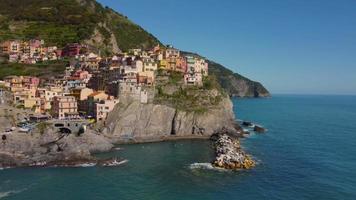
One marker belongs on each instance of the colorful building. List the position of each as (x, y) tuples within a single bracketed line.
[(81, 94), (103, 108), (171, 52), (72, 50), (65, 107)]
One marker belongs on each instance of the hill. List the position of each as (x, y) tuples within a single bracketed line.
[(233, 83), (59, 22), (236, 84)]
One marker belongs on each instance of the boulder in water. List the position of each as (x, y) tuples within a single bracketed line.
[(259, 129), (246, 123)]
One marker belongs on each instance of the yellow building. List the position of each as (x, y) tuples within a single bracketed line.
[(81, 94), (33, 103), (163, 64)]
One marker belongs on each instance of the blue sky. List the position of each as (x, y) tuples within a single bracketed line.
[(291, 46)]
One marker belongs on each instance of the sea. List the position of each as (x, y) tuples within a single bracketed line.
[(309, 152)]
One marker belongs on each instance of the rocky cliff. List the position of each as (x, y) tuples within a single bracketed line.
[(135, 122), (233, 83), (50, 149)]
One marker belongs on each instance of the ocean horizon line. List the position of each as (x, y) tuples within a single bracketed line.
[(309, 94)]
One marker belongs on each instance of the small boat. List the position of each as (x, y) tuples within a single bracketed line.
[(112, 162), (24, 130)]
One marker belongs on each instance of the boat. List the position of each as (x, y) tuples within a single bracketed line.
[(24, 130)]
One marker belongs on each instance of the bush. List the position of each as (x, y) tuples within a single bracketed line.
[(42, 127)]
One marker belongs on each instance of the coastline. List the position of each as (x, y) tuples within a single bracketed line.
[(120, 141), (46, 150)]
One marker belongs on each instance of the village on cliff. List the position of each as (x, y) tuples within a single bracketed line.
[(91, 85)]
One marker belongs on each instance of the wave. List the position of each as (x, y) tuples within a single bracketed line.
[(8, 193), (5, 194), (86, 165), (205, 166), (115, 163), (3, 168), (122, 162)]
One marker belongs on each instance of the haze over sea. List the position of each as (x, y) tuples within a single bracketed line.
[(308, 153)]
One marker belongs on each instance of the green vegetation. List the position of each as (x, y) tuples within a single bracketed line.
[(40, 70), (175, 78), (20, 107), (198, 99), (235, 84), (59, 22), (42, 127)]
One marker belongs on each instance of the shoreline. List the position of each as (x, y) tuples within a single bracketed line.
[(148, 140), (94, 161)]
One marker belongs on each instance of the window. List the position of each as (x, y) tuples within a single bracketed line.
[(59, 125)]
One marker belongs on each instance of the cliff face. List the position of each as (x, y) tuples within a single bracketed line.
[(49, 148), (137, 122)]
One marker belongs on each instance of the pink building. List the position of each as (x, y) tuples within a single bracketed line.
[(30, 81), (181, 64), (81, 75), (103, 109), (36, 43), (72, 50), (65, 107)]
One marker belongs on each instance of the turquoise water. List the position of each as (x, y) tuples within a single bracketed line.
[(308, 153)]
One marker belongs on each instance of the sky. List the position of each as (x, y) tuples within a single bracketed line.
[(290, 46)]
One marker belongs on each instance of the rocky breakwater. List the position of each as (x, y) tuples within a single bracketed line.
[(229, 154), (135, 122)]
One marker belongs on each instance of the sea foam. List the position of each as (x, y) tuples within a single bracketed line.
[(206, 166), (86, 165), (8, 193)]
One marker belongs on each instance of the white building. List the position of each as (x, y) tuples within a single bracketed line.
[(104, 108)]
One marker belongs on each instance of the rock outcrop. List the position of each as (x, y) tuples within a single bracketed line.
[(135, 122), (50, 148), (259, 129)]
